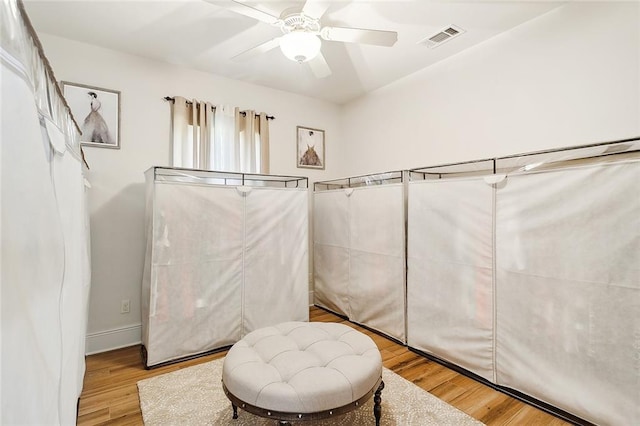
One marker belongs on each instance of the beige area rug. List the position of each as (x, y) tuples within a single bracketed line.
[(194, 396)]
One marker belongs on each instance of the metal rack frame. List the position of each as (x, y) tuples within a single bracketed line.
[(506, 164), (213, 177), (397, 176)]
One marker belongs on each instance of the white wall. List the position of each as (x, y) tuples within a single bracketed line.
[(569, 77), (116, 200)]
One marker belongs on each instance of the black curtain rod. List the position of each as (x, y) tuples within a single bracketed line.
[(243, 113)]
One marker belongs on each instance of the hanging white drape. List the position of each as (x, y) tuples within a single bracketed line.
[(219, 138), (44, 235), (226, 140)]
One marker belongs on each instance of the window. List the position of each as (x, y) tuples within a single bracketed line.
[(220, 138)]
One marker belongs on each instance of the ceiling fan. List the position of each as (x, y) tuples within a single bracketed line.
[(303, 33)]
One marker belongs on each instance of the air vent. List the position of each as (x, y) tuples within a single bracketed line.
[(442, 36)]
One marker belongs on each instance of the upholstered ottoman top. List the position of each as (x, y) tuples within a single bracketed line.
[(302, 367)]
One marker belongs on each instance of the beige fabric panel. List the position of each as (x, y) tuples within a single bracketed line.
[(450, 275), (377, 266), (222, 261), (195, 277), (568, 289), (276, 259), (331, 250), (359, 255)]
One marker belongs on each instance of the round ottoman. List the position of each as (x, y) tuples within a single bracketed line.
[(303, 371)]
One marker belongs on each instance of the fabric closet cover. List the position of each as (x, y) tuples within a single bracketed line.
[(450, 271), (46, 274), (276, 258), (195, 267), (568, 289), (221, 261), (359, 257), (331, 250)]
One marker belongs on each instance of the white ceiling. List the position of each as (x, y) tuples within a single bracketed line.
[(206, 35)]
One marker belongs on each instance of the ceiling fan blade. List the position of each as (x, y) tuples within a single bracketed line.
[(255, 51), (315, 8), (246, 10), (319, 66), (356, 35)]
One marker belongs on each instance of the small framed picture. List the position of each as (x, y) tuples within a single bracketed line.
[(310, 153), (97, 112)]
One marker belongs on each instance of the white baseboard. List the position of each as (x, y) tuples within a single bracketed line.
[(116, 338), (122, 337)]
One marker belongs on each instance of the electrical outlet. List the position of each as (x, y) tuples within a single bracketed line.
[(124, 306)]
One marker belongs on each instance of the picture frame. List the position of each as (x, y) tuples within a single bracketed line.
[(97, 112), (310, 148)]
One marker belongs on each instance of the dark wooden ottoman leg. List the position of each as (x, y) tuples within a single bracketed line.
[(377, 399), (235, 410)]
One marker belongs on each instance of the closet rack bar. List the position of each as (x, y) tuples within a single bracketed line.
[(495, 162), (213, 108), (569, 148), (238, 176), (420, 169), (399, 176), (436, 171)]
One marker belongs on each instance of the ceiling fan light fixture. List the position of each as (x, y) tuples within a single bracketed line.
[(300, 46)]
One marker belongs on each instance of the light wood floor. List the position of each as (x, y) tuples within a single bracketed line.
[(110, 395)]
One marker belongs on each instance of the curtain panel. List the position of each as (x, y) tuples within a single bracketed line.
[(44, 235), (219, 137)]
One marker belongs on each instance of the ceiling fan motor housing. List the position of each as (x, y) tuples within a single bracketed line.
[(300, 22)]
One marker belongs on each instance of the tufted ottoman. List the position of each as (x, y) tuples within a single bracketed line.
[(303, 371)]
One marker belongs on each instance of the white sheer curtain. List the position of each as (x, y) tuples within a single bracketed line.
[(220, 137)]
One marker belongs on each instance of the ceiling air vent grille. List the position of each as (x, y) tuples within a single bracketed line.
[(442, 36)]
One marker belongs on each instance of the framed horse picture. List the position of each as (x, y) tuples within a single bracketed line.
[(310, 144)]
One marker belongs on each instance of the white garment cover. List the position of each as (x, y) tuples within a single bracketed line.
[(331, 250), (220, 262), (359, 255), (70, 194), (32, 265), (195, 288), (568, 289), (45, 272), (450, 271), (276, 258), (558, 316)]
